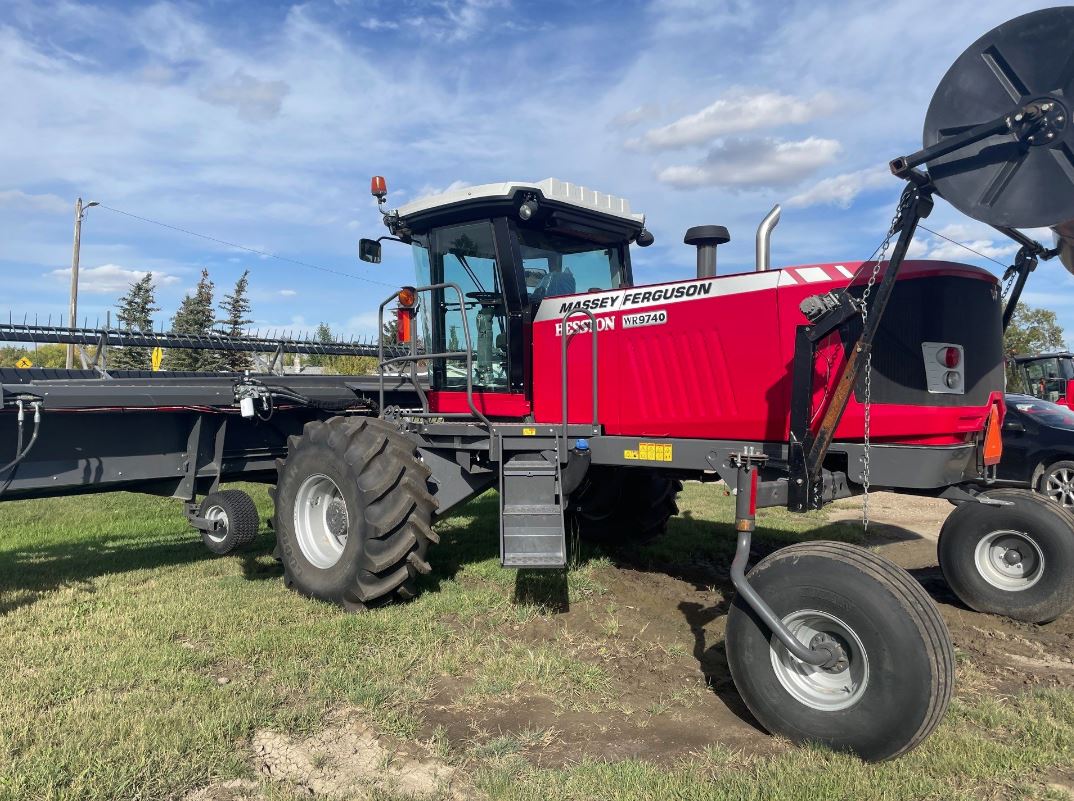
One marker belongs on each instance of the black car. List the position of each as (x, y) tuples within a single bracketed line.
[(1038, 447)]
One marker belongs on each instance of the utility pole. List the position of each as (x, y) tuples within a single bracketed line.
[(80, 212)]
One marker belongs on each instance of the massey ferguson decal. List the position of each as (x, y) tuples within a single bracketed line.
[(634, 298)]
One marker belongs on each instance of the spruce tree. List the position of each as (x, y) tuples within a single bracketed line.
[(236, 309), (195, 316), (135, 314)]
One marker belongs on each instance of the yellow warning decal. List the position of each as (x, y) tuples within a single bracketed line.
[(650, 452), (24, 363), (529, 432)]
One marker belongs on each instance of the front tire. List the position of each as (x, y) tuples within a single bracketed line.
[(353, 513), (1015, 560), (900, 673)]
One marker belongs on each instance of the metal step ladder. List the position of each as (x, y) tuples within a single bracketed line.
[(532, 532)]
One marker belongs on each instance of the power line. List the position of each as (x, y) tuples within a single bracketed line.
[(247, 249), (961, 245)]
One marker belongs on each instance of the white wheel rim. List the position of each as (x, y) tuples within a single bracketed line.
[(1059, 486), (817, 688), (1009, 560), (321, 521), (216, 514)]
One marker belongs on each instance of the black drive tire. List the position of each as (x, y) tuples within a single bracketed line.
[(1058, 493), (1046, 525), (620, 505), (387, 517), (237, 511), (907, 649)]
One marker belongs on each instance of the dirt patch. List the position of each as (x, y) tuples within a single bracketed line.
[(347, 759)]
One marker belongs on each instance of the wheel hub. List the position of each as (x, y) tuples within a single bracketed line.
[(1009, 560), (828, 689), (321, 521), (217, 515)]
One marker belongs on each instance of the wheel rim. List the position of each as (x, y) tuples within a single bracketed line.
[(216, 514), (1009, 560), (1059, 486), (817, 688), (321, 521)]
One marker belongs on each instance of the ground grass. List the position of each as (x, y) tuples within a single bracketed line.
[(133, 665)]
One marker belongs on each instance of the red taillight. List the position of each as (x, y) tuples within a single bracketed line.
[(378, 187), (950, 357)]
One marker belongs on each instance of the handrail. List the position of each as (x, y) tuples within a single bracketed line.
[(414, 357), (565, 338)]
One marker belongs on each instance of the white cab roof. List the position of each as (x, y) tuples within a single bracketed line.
[(550, 188)]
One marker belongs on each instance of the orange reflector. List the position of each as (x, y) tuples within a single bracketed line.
[(408, 296), (404, 319), (993, 440)]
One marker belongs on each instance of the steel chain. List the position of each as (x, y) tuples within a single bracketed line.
[(904, 203)]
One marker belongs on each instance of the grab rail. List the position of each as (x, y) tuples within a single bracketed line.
[(414, 357)]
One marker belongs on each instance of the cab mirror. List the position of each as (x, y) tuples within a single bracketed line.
[(1013, 425), (369, 250)]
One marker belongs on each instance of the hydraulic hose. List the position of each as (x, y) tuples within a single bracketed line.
[(22, 453)]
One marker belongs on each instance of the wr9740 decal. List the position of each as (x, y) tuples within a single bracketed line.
[(658, 317)]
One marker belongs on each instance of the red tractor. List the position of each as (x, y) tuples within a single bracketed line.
[(586, 400)]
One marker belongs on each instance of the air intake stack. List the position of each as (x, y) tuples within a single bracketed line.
[(706, 238)]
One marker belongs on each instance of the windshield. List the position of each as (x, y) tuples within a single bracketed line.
[(556, 265), (1047, 377), (1051, 414)]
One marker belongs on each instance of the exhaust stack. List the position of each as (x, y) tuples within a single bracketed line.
[(706, 238), (764, 238)]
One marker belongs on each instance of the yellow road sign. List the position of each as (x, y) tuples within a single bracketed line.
[(158, 357), (24, 363)]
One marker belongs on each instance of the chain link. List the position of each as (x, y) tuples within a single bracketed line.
[(868, 399)]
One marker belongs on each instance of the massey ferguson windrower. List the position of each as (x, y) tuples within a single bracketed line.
[(586, 400)]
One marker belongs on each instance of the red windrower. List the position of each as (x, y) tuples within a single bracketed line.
[(378, 187)]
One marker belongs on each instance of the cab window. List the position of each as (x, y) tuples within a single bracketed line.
[(555, 265)]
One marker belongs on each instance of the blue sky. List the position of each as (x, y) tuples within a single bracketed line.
[(260, 123)]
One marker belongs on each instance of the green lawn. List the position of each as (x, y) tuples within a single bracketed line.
[(134, 665)]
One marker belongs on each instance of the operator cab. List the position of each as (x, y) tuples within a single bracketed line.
[(505, 247)]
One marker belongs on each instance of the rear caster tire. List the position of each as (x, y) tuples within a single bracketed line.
[(237, 513), (353, 513), (1015, 560), (900, 672), (616, 506)]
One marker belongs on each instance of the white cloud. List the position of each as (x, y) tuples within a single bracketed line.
[(736, 113), (16, 198), (754, 163), (949, 251), (840, 190), (110, 278), (287, 293), (254, 99), (918, 248)]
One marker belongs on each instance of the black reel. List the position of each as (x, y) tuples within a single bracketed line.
[(1008, 99)]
